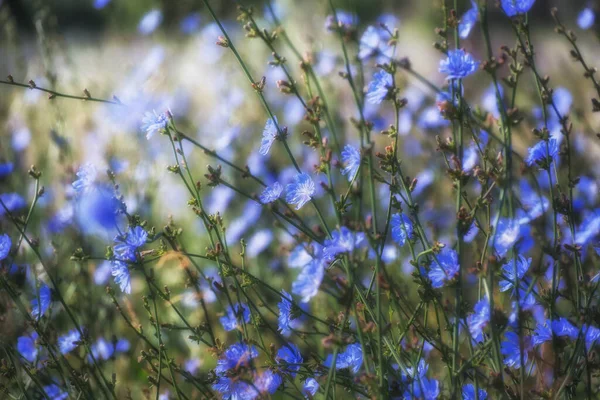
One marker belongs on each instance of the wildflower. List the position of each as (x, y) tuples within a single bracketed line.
[(150, 21), (506, 235), (351, 358), (259, 242), (418, 386), (541, 334), (374, 42), (6, 169), (345, 20), (190, 23), (479, 319), (589, 228), (592, 336), (5, 244), (120, 273), (514, 7), (402, 228), (69, 341), (459, 64), (271, 193), (300, 191), (543, 153), (285, 314), (236, 356), (97, 210), (351, 161), (268, 136), (100, 4), (86, 176), (342, 241), (586, 18), (27, 348), (310, 387), (308, 281), (380, 86), (126, 247), (511, 349), (11, 202), (291, 357), (562, 327), (468, 392), (154, 123), (444, 268), (468, 20), (534, 204), (55, 393), (41, 302), (521, 265), (230, 319)]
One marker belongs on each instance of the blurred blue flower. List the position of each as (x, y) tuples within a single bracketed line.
[(514, 7), (97, 210), (268, 136), (300, 191), (468, 392), (233, 315), (100, 4), (6, 169), (285, 314), (308, 281), (521, 264), (379, 87), (11, 201), (506, 235), (586, 18), (589, 228), (27, 348), (344, 19), (41, 302), (541, 334), (291, 357), (271, 193), (543, 152), (190, 24), (120, 273), (418, 386), (444, 268), (459, 64), (102, 272), (5, 244), (562, 327), (511, 349), (342, 241), (153, 123), (54, 392), (351, 160), (479, 319), (150, 21), (126, 247), (468, 21), (310, 387), (69, 341), (86, 176), (402, 228), (351, 358)]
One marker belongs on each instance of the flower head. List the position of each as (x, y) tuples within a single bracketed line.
[(86, 176), (521, 265), (511, 349), (507, 233), (120, 273), (586, 18), (543, 153), (154, 123), (300, 191), (309, 280), (126, 247), (234, 314), (285, 314), (514, 7), (27, 348), (402, 228), (5, 244), (290, 356), (268, 136), (380, 86), (351, 358), (69, 341), (41, 302), (459, 64), (342, 241), (479, 319), (468, 20), (444, 268), (54, 392), (351, 160), (310, 387), (271, 193), (468, 392)]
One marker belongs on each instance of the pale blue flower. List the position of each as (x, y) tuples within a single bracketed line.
[(351, 160), (268, 136), (271, 193), (300, 191), (380, 86), (459, 64), (514, 7)]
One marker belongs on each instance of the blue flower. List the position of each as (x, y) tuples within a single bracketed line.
[(514, 7), (380, 86), (300, 191), (150, 21), (100, 4), (190, 23), (342, 241), (12, 201), (69, 341), (468, 392), (402, 228), (39, 308), (468, 20), (542, 334), (345, 20), (153, 123), (102, 349), (586, 18), (589, 228), (6, 169), (310, 387), (374, 42), (268, 136), (120, 273), (127, 247), (55, 393), (592, 336), (5, 244), (511, 349), (291, 357), (285, 314), (351, 358), (97, 210), (521, 264), (562, 327), (351, 160), (506, 235), (236, 356), (479, 319), (86, 176), (308, 281), (418, 386), (230, 319), (444, 268), (27, 348), (543, 152), (459, 64), (271, 193)]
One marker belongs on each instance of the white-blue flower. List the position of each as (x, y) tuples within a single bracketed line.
[(379, 87), (300, 191), (268, 136), (351, 160)]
